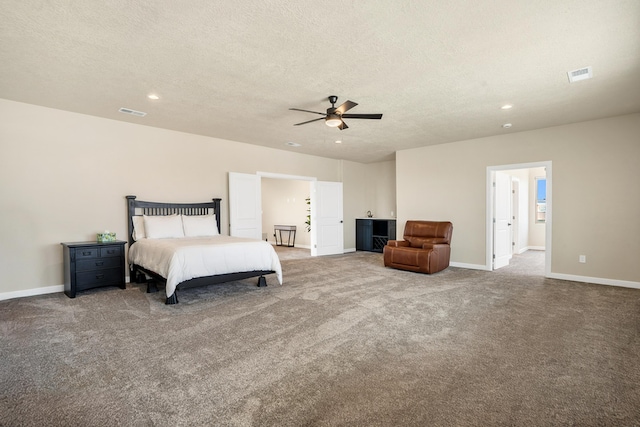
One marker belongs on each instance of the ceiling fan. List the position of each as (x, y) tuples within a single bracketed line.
[(334, 115)]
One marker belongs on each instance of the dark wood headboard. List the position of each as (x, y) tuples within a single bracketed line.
[(138, 207)]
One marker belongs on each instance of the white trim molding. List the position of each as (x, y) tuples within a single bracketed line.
[(38, 291), (595, 280), (469, 266), (31, 292), (284, 176)]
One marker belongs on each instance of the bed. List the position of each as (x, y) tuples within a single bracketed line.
[(180, 245)]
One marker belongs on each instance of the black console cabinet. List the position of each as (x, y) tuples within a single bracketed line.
[(91, 265), (372, 234)]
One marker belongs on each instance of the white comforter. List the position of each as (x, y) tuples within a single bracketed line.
[(186, 258)]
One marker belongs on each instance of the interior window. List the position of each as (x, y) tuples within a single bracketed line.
[(541, 199)]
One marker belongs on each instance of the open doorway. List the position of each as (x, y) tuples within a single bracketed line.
[(285, 202), (519, 218), (327, 225)]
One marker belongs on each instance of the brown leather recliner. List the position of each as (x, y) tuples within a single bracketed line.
[(425, 248)]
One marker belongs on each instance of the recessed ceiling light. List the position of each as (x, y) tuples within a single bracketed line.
[(292, 144), (338, 142), (153, 96), (507, 107), (506, 125)]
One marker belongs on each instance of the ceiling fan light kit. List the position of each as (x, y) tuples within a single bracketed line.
[(334, 115), (333, 120)]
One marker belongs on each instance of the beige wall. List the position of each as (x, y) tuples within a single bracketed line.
[(370, 187), (374, 189), (65, 177), (383, 178), (596, 196)]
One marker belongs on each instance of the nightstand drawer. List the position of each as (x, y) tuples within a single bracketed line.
[(87, 253), (111, 251), (93, 279), (97, 263)]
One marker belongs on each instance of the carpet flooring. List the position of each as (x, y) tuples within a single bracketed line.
[(343, 342)]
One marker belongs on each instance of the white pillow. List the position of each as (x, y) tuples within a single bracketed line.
[(163, 226), (199, 225), (138, 228)]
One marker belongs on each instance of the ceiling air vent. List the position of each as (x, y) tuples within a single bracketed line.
[(132, 112), (581, 74)]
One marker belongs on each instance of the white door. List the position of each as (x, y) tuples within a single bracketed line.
[(245, 205), (515, 216), (327, 234), (502, 224)]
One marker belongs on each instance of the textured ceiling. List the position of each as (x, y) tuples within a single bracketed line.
[(438, 71)]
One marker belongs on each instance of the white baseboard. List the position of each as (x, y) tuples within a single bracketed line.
[(348, 250), (595, 280), (583, 279), (31, 292), (530, 248), (37, 291), (469, 266)]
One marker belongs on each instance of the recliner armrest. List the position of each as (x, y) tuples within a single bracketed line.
[(398, 243), (434, 246)]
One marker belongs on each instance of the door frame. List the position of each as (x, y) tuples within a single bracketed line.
[(490, 211), (312, 237), (285, 176)]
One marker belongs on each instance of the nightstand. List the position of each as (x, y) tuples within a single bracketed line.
[(90, 265)]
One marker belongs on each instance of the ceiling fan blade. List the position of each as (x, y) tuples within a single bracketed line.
[(362, 116), (346, 106), (343, 126), (309, 121), (307, 111)]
